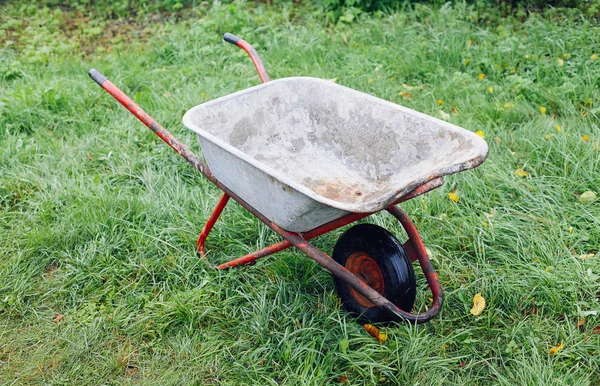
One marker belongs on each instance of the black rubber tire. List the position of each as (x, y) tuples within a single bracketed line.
[(394, 265)]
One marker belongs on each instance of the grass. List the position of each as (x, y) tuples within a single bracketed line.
[(98, 219)]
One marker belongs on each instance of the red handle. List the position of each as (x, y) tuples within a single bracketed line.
[(244, 45), (147, 120)]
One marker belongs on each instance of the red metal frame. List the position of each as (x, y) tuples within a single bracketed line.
[(414, 245), (321, 230), (210, 223)]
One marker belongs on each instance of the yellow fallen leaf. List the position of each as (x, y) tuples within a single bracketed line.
[(405, 94), (407, 86), (481, 76), (508, 105), (543, 109), (480, 133), (444, 115), (466, 61), (594, 57), (554, 350), (558, 128), (560, 62), (548, 136), (453, 196), (521, 173), (490, 89), (375, 333), (334, 80), (440, 102), (58, 318), (478, 304), (585, 138), (587, 255)]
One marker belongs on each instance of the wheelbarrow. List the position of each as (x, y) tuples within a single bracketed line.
[(307, 156)]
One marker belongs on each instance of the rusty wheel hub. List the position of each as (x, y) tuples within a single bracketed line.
[(365, 267)]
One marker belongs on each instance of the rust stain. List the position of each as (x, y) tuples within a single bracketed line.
[(336, 189)]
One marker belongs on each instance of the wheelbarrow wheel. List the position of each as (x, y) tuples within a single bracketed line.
[(377, 257)]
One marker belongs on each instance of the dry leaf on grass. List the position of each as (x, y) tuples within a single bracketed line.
[(533, 307), (478, 304), (521, 173), (375, 333), (554, 350), (131, 369), (453, 196), (587, 255), (58, 318)]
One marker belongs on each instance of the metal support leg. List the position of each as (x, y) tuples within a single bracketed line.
[(209, 225)]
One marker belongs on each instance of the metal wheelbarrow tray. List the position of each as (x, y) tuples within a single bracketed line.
[(305, 151), (307, 156)]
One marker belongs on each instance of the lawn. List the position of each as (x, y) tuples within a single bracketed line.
[(99, 279)]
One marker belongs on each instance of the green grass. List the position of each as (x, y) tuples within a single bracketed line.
[(98, 218)]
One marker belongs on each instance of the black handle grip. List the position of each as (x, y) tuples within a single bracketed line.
[(97, 76), (231, 38)]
